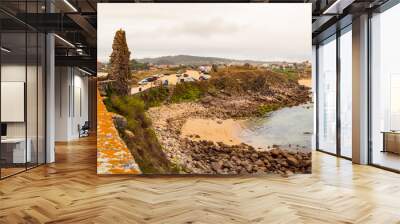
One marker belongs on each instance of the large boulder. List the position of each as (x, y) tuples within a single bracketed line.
[(207, 99), (129, 134), (291, 160), (120, 121)]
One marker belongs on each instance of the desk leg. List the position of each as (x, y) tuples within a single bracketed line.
[(384, 142)]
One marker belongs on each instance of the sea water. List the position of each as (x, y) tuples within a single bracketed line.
[(290, 128)]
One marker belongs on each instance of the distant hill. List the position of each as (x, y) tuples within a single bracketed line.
[(194, 60)]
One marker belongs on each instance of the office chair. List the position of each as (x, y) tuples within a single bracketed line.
[(84, 130)]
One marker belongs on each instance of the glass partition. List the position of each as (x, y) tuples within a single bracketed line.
[(13, 94), (327, 95), (22, 67)]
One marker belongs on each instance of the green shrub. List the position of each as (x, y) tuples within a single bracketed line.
[(267, 108), (189, 91), (291, 74), (143, 144), (154, 96)]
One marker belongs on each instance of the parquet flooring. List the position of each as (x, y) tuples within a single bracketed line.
[(69, 191)]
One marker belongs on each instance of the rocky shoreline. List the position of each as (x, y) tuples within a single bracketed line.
[(218, 158), (225, 105), (197, 156)]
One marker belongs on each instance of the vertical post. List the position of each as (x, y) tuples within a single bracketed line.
[(26, 88), (338, 75), (0, 94), (360, 89), (316, 97), (50, 92), (369, 89), (50, 98)]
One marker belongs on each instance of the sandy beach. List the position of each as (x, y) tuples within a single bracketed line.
[(225, 131), (305, 82)]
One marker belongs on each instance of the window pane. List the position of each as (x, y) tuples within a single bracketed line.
[(327, 96), (386, 89), (346, 93)]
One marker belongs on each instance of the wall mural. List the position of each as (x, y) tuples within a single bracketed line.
[(204, 89)]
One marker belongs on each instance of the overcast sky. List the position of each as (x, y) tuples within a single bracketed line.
[(267, 32)]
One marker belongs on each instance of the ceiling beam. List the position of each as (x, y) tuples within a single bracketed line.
[(76, 61), (85, 25), (338, 6)]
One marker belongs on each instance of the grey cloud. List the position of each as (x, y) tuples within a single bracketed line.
[(242, 31), (207, 28)]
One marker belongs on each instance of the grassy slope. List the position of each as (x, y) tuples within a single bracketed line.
[(143, 141)]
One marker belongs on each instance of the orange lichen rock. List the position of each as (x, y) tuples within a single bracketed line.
[(113, 156)]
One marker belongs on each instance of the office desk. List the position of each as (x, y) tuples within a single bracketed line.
[(17, 150), (391, 141)]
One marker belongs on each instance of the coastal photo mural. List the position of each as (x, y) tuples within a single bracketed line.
[(204, 89)]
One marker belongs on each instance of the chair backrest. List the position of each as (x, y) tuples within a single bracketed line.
[(86, 125)]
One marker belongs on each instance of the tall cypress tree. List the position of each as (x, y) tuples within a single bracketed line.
[(120, 70)]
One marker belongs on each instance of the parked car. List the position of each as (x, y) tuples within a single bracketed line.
[(188, 79), (143, 81), (204, 77), (152, 78), (165, 83)]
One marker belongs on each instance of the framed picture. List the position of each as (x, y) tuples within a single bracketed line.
[(204, 89)]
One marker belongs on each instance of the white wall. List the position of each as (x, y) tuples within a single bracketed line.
[(80, 110), (71, 94), (33, 126), (61, 115), (12, 73)]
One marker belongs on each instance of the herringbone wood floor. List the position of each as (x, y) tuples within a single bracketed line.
[(69, 191)]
